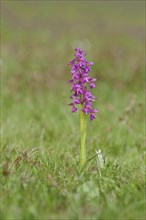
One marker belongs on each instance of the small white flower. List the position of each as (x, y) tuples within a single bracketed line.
[(100, 160)]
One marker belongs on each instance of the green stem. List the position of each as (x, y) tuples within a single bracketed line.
[(82, 139)]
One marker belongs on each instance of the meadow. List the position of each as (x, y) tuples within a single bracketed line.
[(40, 175)]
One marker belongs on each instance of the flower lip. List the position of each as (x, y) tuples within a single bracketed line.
[(85, 110), (92, 85), (92, 117), (74, 109)]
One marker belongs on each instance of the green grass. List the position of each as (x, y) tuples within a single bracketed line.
[(40, 176)]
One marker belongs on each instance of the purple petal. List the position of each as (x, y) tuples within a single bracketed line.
[(76, 101), (74, 109), (94, 110), (92, 117), (85, 110), (71, 62), (92, 85)]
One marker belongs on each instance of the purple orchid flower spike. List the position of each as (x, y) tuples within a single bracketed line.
[(79, 83)]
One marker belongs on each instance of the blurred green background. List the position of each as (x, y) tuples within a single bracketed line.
[(37, 42)]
